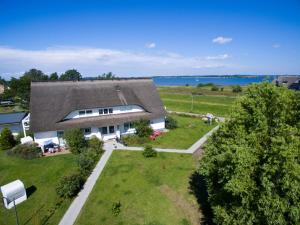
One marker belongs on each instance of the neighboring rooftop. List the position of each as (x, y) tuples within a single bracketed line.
[(291, 82), (11, 118), (51, 102)]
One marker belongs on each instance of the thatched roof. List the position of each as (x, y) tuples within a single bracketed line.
[(51, 102)]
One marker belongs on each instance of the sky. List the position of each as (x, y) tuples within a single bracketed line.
[(149, 38)]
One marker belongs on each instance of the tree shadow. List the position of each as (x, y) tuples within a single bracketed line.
[(30, 190), (198, 188)]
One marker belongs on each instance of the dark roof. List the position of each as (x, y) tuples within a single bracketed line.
[(11, 118), (51, 102), (292, 82)]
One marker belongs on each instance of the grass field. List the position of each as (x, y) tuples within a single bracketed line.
[(189, 130), (40, 177), (150, 190), (198, 100)]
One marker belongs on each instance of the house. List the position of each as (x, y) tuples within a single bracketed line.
[(13, 121), (104, 108), (291, 82)]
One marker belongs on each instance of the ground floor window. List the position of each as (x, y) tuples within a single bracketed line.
[(111, 129), (60, 134), (128, 126), (103, 130)]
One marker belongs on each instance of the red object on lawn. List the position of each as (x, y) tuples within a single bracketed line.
[(155, 135)]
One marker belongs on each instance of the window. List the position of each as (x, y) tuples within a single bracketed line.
[(89, 111), (100, 111), (111, 129), (105, 111), (110, 110), (104, 130), (82, 112), (60, 134), (126, 127), (87, 130)]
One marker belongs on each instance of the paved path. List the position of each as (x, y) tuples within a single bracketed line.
[(221, 119), (74, 209), (77, 204), (190, 150)]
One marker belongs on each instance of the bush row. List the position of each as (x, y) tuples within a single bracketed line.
[(87, 157)]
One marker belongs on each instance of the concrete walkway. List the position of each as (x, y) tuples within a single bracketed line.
[(190, 150), (74, 209), (221, 119)]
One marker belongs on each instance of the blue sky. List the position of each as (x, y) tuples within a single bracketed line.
[(144, 38)]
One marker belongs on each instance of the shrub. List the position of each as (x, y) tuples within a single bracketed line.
[(222, 89), (149, 152), (75, 140), (237, 88), (116, 208), (142, 128), (25, 151), (95, 144), (132, 140), (171, 123), (214, 88), (86, 162), (70, 185), (7, 140)]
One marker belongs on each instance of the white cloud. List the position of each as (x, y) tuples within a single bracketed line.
[(217, 57), (276, 45), (150, 45), (93, 61), (222, 40)]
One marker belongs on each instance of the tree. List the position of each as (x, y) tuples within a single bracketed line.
[(71, 75), (53, 76), (7, 140), (142, 128), (171, 123), (149, 152), (107, 76), (75, 140), (237, 88), (21, 87), (251, 164)]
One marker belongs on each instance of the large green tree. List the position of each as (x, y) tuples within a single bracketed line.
[(21, 87), (71, 75), (75, 140), (252, 163)]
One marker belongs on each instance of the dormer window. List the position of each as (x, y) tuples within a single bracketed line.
[(82, 113), (89, 111), (105, 111), (87, 131), (110, 110), (100, 111)]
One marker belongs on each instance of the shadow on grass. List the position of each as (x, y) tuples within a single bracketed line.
[(198, 188), (30, 190)]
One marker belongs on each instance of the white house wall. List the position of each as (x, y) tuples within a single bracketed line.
[(116, 110), (158, 124), (41, 137)]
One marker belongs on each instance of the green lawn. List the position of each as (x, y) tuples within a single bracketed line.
[(40, 176), (204, 101), (189, 130), (150, 190)]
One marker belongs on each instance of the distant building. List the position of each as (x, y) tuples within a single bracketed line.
[(291, 82), (13, 121)]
